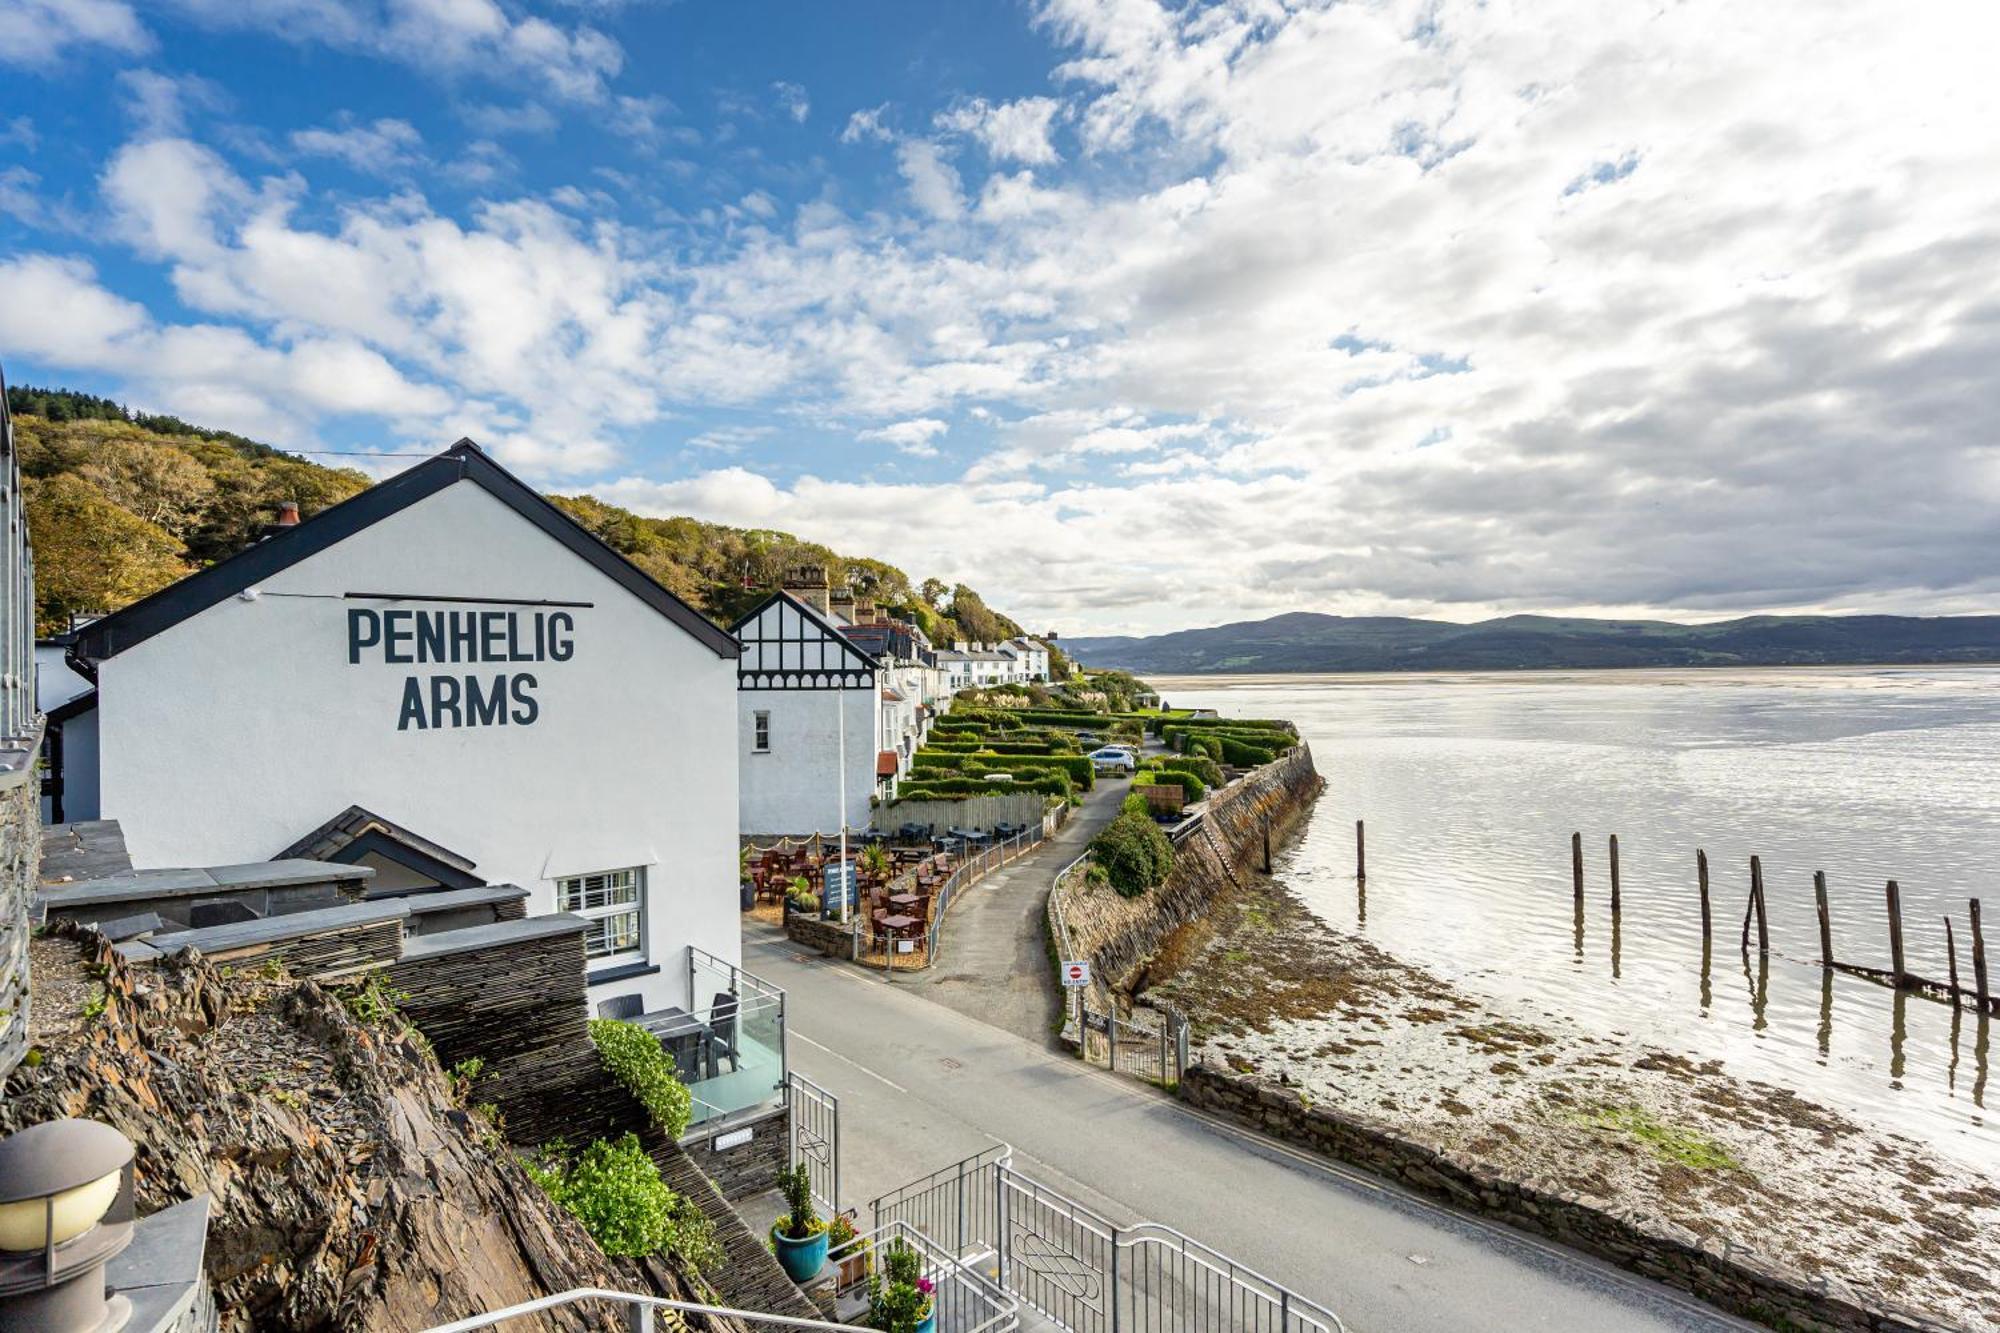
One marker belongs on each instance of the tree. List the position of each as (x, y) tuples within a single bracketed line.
[(158, 483), (92, 554)]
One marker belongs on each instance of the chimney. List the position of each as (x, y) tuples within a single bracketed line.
[(809, 584), (288, 514), (842, 603), (864, 609)]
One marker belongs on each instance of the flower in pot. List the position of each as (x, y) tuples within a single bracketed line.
[(799, 1237), (900, 1298), (875, 860), (848, 1248)]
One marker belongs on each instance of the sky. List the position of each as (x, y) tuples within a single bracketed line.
[(1134, 316)]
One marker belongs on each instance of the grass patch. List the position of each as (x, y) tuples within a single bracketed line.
[(1687, 1147)]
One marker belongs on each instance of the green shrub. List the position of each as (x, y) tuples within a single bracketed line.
[(1134, 804), (1201, 766), (614, 1189), (801, 1221), (635, 1058), (1240, 754), (1208, 747), (896, 1304), (1133, 852), (1192, 787)]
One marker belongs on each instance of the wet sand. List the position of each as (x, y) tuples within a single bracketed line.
[(1275, 993)]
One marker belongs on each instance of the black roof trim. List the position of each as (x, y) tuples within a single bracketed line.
[(464, 461), (810, 612), (73, 707)]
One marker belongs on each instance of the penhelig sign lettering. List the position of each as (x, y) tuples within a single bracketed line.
[(484, 638)]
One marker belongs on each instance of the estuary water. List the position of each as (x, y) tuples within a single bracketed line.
[(1471, 785)]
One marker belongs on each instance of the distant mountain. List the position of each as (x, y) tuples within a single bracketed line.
[(1305, 641)]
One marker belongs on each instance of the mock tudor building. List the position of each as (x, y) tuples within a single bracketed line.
[(448, 680), (807, 700)]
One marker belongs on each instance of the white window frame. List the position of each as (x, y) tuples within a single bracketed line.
[(760, 731), (574, 894)]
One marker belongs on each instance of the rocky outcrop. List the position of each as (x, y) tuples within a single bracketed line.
[(348, 1189)]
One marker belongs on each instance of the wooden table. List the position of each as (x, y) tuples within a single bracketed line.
[(906, 901), (898, 924)]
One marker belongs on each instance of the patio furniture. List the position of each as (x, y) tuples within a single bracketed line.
[(905, 902), (684, 1037), (720, 1037), (623, 1007), (898, 926)]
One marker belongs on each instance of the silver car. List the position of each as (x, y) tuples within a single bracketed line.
[(1114, 759)]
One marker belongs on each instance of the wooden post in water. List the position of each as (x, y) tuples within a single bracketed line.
[(1267, 846), (1896, 933), (1614, 874), (1360, 850), (1951, 957), (1576, 865), (1826, 919), (1701, 873), (1978, 960), (1757, 887)]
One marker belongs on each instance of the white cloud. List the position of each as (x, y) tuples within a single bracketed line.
[(36, 33), (494, 119), (1011, 131), (916, 437), (792, 100), (464, 36), (160, 104), (382, 148), (934, 185), (866, 124)]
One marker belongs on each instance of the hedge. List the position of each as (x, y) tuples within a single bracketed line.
[(1134, 853), (953, 787), (1201, 766), (1081, 772), (1191, 786), (636, 1059)]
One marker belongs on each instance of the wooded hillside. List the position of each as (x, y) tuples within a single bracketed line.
[(122, 504)]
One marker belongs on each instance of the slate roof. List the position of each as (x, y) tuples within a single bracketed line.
[(360, 825)]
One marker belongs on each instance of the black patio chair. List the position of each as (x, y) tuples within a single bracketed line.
[(722, 1031), (625, 1007)]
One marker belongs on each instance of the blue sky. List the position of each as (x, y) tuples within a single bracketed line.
[(1133, 315)]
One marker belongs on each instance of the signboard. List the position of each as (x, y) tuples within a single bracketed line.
[(1076, 972), (839, 888)]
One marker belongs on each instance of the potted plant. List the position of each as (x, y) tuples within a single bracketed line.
[(746, 879), (849, 1249), (875, 860), (900, 1298), (799, 1237)]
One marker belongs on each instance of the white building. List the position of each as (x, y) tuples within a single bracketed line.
[(806, 697), (443, 676), (1033, 657)]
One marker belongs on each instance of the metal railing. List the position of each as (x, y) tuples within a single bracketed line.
[(972, 867), (638, 1311), (1085, 1273), (813, 1127)]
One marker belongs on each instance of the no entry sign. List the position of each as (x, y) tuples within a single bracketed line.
[(1076, 972)]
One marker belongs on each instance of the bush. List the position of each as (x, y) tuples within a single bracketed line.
[(1192, 788), (1134, 804), (635, 1058), (1133, 852), (614, 1189), (1201, 766)]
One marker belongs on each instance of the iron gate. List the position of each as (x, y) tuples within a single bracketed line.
[(815, 1136)]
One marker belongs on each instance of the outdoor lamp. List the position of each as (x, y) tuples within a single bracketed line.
[(65, 1209)]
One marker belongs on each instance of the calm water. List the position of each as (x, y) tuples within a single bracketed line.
[(1472, 784)]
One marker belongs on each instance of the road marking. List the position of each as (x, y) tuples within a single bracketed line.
[(844, 1060)]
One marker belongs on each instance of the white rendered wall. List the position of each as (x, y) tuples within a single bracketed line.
[(80, 784), (228, 736), (796, 787)]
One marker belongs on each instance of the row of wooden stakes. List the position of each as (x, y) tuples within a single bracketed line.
[(1896, 975)]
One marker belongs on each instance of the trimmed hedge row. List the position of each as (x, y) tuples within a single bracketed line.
[(1077, 766), (1192, 787), (950, 788)]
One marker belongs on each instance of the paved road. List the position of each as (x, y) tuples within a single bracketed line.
[(993, 961), (922, 1085)]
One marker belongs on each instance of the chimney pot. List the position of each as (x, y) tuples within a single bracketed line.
[(288, 514)]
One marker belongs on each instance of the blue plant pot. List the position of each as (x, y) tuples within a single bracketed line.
[(928, 1324), (801, 1259)]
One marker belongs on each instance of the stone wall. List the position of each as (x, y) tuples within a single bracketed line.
[(748, 1168), (831, 938), (20, 856), (1729, 1277), (1119, 935)]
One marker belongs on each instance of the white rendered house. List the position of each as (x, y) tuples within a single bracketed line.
[(443, 677), (808, 717)]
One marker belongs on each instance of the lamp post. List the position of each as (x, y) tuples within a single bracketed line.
[(840, 703), (65, 1210)]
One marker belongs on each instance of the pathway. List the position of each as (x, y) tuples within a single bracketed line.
[(993, 956)]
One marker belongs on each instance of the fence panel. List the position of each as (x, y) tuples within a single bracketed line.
[(1056, 1256)]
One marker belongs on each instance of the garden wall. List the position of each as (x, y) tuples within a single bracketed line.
[(980, 812), (20, 857), (1727, 1276)]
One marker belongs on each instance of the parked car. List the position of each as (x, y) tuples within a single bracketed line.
[(1114, 759), (998, 777)]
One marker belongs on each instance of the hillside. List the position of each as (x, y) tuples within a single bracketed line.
[(121, 504), (1304, 641)]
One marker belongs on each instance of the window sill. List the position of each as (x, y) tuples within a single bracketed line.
[(621, 972)]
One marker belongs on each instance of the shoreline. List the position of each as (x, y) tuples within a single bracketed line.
[(1602, 675), (1316, 1025)]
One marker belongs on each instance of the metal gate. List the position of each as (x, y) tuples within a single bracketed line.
[(815, 1136), (1071, 1264), (1157, 1054)]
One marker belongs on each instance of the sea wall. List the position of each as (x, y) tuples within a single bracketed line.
[(1238, 822), (1728, 1275)]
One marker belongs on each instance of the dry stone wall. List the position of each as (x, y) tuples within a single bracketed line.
[(20, 855)]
